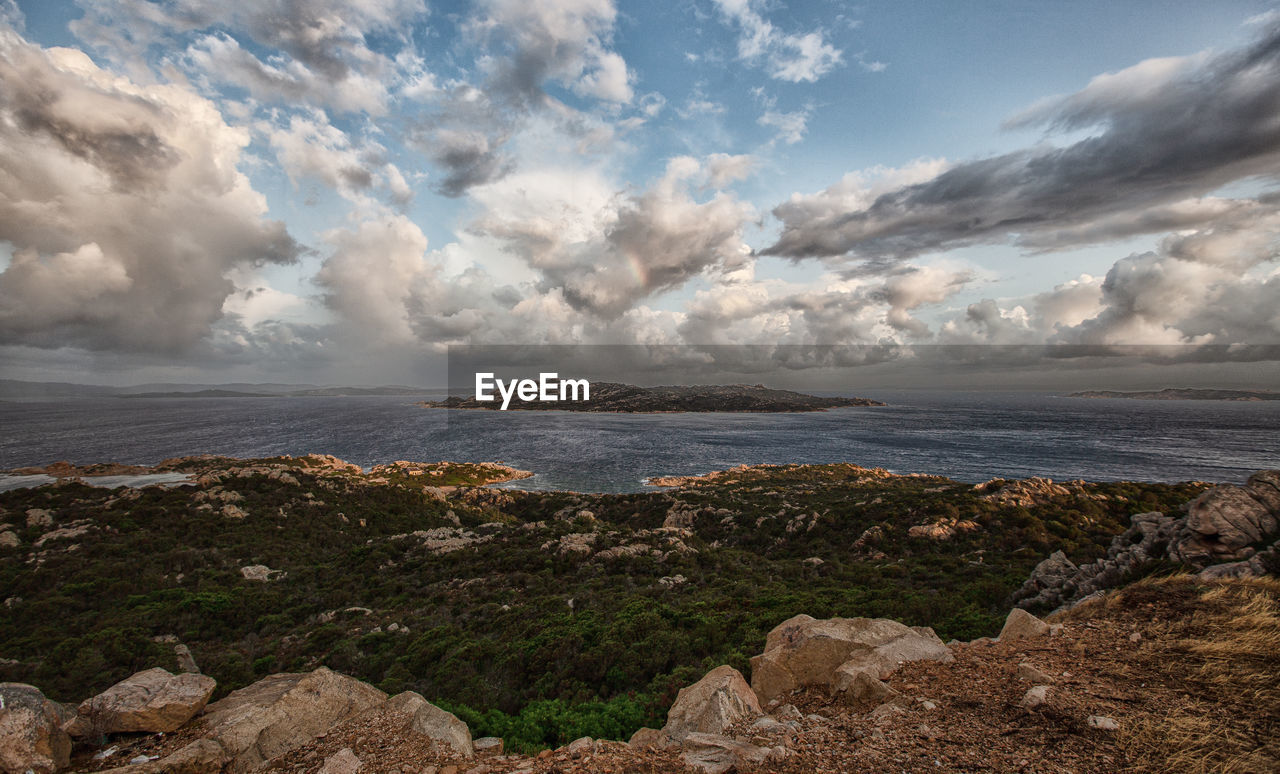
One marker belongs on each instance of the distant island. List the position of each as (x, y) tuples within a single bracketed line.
[(611, 397), (1181, 394)]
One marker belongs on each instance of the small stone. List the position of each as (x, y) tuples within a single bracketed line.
[(1035, 697), (787, 712), (1030, 674), (1135, 637), (1103, 723), (881, 715), (342, 762)]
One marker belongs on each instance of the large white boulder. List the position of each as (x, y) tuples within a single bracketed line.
[(152, 701), (720, 699), (804, 651), (282, 712)]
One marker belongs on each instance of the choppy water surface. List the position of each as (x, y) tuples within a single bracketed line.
[(967, 436)]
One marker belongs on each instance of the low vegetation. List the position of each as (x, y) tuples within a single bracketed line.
[(536, 616)]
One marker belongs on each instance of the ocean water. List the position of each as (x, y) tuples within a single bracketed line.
[(966, 436)]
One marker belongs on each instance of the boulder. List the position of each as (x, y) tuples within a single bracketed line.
[(152, 701), (261, 573), (432, 722), (716, 754), (648, 738), (488, 745), (1022, 625), (717, 701), (282, 712), (1224, 521), (186, 662), (804, 651), (342, 762), (1265, 488), (203, 756), (31, 735), (883, 660), (1052, 571), (859, 685)]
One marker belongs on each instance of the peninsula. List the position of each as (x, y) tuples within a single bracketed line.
[(1181, 394)]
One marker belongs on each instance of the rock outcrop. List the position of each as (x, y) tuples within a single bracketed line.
[(1217, 536), (31, 735), (281, 712), (804, 651), (432, 722), (1223, 523), (712, 705), (152, 701)]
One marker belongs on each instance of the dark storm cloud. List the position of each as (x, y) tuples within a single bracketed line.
[(1168, 131)]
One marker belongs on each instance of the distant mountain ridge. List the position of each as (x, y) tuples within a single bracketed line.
[(15, 388), (1183, 393)]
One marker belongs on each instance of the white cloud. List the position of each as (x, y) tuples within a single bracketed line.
[(123, 204), (799, 57), (790, 127), (311, 147)]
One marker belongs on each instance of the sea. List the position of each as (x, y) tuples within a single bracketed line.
[(967, 436)]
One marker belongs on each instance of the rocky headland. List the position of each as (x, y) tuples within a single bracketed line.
[(611, 397)]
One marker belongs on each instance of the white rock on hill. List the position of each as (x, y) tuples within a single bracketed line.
[(804, 651), (153, 701), (282, 712), (720, 699)]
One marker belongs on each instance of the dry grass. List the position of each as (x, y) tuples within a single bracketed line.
[(1217, 646)]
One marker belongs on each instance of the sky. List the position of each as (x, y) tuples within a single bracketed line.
[(338, 192)]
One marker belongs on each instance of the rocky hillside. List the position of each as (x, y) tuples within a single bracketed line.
[(1226, 532), (537, 617), (1177, 675), (630, 399)]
